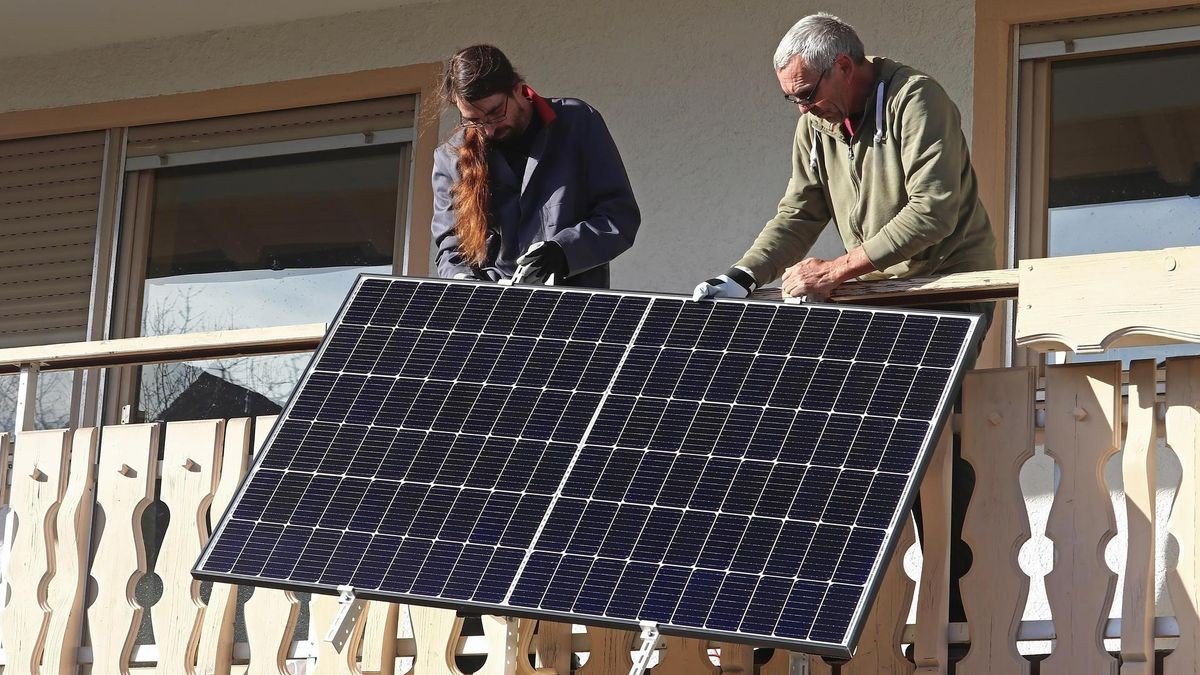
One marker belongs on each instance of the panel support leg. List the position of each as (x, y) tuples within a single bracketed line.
[(650, 637), (348, 615)]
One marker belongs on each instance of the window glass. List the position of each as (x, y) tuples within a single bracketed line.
[(252, 243)]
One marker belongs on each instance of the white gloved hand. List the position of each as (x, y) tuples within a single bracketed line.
[(736, 283), (463, 276)]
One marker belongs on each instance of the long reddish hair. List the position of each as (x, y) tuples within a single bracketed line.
[(471, 74)]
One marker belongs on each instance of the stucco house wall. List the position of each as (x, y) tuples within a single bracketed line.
[(687, 88)]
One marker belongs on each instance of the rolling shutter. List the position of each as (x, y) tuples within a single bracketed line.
[(49, 195)]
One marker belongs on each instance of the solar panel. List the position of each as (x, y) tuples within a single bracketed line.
[(735, 469)]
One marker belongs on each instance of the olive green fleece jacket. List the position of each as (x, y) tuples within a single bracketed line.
[(908, 196)]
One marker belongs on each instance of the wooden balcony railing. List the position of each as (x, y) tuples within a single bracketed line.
[(77, 548)]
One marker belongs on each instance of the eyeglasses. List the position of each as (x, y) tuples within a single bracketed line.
[(810, 98), (494, 116)]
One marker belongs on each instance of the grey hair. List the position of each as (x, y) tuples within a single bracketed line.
[(818, 39)]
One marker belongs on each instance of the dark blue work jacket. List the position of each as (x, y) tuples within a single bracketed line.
[(574, 191)]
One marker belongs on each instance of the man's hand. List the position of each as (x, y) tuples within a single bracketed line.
[(543, 259), (815, 277), (736, 283)]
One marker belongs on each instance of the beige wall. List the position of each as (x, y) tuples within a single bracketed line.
[(686, 87)]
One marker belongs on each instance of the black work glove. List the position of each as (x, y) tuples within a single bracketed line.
[(543, 259)]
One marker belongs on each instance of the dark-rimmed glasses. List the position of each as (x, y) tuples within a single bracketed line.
[(808, 99), (494, 116)]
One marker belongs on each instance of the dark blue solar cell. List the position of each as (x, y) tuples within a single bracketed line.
[(639, 361), (658, 322), (747, 487), (625, 320), (279, 504), (551, 469), (681, 481), (796, 619), (611, 420), (651, 477), (868, 446), (845, 502), (516, 412), (716, 332), (566, 584), (535, 578), (501, 570), (524, 522), (405, 566), (292, 543), (601, 367), (767, 601), (689, 538), (360, 309), (364, 408), (730, 605), (790, 549), (566, 315), (482, 416), (722, 541), (664, 593), (398, 457), (770, 435), (728, 379), (315, 500), (913, 340), (479, 309), (847, 335), (947, 342), (802, 439), (630, 593), (714, 483), (779, 491), (737, 432), (338, 348), (578, 414), (429, 458), (834, 618), (311, 448), (373, 506), (282, 447), (453, 357), (316, 556), (706, 428), (836, 438), (815, 488), (686, 330), (672, 429), (652, 545), (393, 304), (366, 352), (748, 337), (546, 413), (436, 571), (404, 507), (617, 474), (314, 393), (494, 454), (824, 552), (510, 364), (223, 555), (904, 446), (793, 383), (814, 335), (543, 360), (457, 406), (826, 385), (595, 319), (345, 443), (642, 422), (494, 518), (395, 353), (469, 569), (754, 548), (784, 329), (598, 588), (571, 365), (666, 372), (432, 514), (398, 403), (693, 383), (892, 391), (341, 396), (537, 310), (346, 558), (507, 310), (343, 504), (927, 390), (450, 307), (760, 380), (421, 305), (458, 462), (560, 526), (880, 503), (586, 472), (880, 337), (623, 534), (859, 556), (697, 598)]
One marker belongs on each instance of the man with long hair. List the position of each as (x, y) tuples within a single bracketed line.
[(527, 188)]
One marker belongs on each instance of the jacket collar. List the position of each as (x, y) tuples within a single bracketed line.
[(886, 69), (540, 105)]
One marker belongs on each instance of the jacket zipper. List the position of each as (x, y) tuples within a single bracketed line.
[(854, 180)]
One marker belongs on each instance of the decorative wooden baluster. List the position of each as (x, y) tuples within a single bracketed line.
[(525, 632), (1183, 581), (997, 439), (1083, 430), (322, 610), (736, 659), (436, 633), (68, 587), (189, 481), (125, 480), (879, 645), (685, 656), (379, 638), (780, 663), (503, 653), (554, 646), (215, 655), (608, 651), (271, 614), (933, 598), (39, 478), (1140, 476)]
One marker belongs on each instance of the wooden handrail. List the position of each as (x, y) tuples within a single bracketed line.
[(931, 290), (161, 348)]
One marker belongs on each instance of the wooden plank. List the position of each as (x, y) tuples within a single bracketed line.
[(947, 288), (379, 638), (189, 347), (554, 646), (930, 649), (1091, 303), (1139, 463), (271, 614), (997, 440), (189, 480), (39, 478), (125, 480), (215, 653), (780, 663), (609, 651), (68, 588), (322, 611), (685, 656), (1183, 580), (736, 659), (436, 632), (1083, 404), (879, 645)]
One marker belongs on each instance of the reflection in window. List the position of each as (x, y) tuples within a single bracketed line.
[(1125, 167), (52, 401), (252, 243)]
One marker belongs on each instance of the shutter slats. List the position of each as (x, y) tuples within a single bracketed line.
[(49, 194), (1117, 24), (275, 126)]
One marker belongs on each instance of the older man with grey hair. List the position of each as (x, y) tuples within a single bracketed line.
[(879, 150)]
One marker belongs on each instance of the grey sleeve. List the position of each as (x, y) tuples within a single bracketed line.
[(449, 259)]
